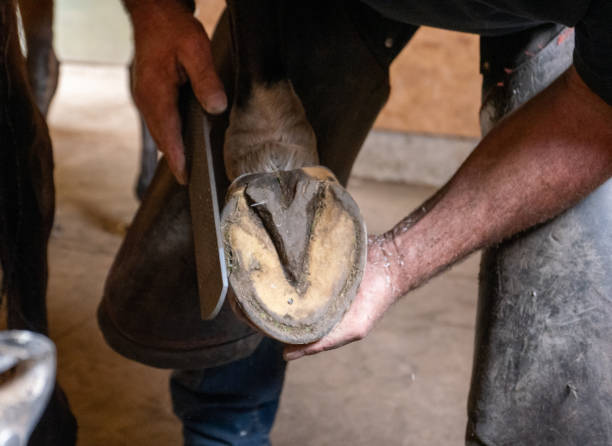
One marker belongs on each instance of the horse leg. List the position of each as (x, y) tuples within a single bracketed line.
[(271, 136), (42, 64), (27, 193), (26, 212)]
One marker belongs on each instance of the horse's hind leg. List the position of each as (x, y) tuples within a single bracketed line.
[(42, 64), (26, 212)]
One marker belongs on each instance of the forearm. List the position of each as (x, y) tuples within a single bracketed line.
[(535, 164)]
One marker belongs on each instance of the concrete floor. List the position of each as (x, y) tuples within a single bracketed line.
[(406, 384)]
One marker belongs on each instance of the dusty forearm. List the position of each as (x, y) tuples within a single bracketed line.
[(534, 165)]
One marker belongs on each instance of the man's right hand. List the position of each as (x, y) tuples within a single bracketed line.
[(171, 47)]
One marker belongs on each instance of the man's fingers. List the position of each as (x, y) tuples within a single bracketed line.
[(160, 111), (196, 59), (169, 44), (171, 144), (339, 336), (291, 352)]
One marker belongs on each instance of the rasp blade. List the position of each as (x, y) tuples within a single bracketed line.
[(204, 205)]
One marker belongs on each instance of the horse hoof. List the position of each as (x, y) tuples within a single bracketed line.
[(296, 250)]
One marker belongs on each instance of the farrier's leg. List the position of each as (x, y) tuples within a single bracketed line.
[(231, 404), (543, 350), (26, 213), (43, 66)]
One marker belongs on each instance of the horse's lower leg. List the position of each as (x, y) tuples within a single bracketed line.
[(26, 212), (27, 193), (42, 63)]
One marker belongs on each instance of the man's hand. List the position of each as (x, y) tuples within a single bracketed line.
[(537, 162), (171, 47), (376, 293)]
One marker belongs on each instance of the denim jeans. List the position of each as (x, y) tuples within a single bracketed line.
[(233, 404)]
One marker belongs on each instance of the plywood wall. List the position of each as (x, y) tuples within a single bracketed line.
[(435, 85)]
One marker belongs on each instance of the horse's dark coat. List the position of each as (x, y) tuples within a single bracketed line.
[(26, 212)]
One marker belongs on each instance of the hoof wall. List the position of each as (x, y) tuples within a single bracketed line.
[(296, 250)]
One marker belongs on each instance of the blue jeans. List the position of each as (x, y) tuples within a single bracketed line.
[(233, 404)]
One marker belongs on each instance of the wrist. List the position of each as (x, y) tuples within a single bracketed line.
[(403, 243), (383, 253)]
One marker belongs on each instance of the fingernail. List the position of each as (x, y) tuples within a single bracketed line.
[(180, 173), (216, 103), (293, 355), (182, 177)]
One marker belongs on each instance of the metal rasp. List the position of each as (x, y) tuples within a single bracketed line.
[(204, 206)]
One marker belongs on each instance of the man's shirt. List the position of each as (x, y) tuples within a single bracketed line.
[(592, 20)]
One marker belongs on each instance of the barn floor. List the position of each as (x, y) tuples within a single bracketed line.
[(404, 385)]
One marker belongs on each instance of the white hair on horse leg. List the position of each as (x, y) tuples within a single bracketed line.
[(270, 133)]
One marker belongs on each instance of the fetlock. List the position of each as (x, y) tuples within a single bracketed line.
[(269, 133)]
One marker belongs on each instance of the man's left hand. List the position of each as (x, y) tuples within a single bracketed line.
[(376, 293)]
